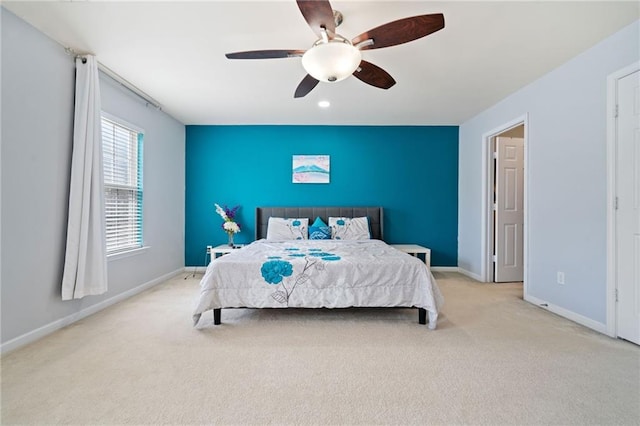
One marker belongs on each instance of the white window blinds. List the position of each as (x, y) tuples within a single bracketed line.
[(122, 160)]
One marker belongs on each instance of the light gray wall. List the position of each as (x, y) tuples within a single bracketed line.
[(566, 171), (37, 121)]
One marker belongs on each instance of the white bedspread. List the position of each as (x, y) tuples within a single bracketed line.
[(318, 273)]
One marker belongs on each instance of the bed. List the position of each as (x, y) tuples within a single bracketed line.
[(282, 271)]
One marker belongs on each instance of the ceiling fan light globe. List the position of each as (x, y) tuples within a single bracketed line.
[(330, 62)]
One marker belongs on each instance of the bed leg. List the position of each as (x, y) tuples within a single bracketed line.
[(422, 316), (216, 316)]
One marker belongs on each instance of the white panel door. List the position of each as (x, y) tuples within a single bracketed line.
[(509, 209), (628, 212)]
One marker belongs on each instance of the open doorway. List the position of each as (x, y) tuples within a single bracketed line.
[(505, 203)]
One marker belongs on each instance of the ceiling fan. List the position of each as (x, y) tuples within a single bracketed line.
[(333, 58)]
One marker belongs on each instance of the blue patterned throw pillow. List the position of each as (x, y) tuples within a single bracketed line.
[(319, 230)]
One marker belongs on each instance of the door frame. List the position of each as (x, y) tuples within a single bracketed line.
[(612, 142), (486, 272)]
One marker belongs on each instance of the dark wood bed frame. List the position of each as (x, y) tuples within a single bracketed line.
[(376, 222)]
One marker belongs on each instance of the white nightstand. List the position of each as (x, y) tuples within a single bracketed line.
[(414, 250), (223, 249)]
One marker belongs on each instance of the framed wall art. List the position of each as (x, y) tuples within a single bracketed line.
[(311, 169)]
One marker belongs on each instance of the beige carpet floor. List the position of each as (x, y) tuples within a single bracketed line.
[(494, 359)]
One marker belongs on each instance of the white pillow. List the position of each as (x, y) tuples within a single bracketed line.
[(279, 228), (344, 228)]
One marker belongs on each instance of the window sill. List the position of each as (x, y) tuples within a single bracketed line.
[(127, 253)]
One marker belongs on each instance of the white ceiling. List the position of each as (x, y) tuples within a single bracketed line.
[(174, 51)]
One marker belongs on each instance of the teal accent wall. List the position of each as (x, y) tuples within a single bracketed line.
[(411, 171)]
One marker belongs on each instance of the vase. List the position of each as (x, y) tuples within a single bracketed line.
[(230, 239)]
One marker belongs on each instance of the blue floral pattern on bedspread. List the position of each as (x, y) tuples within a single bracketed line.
[(276, 272)]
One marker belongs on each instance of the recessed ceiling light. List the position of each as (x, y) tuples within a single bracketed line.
[(324, 104)]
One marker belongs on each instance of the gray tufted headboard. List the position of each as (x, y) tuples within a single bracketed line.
[(373, 213)]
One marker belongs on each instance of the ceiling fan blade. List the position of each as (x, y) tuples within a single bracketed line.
[(265, 54), (306, 85), (401, 31), (373, 75), (318, 13)]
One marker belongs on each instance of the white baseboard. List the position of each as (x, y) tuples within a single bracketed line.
[(195, 269), (39, 333), (444, 268), (470, 274), (570, 315)]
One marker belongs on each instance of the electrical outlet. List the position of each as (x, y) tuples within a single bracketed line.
[(560, 277), (209, 248)]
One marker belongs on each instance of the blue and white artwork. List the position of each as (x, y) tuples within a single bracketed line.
[(311, 169)]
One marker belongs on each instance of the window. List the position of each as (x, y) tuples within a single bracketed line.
[(122, 162)]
